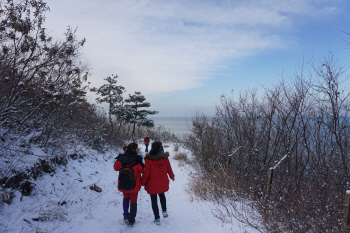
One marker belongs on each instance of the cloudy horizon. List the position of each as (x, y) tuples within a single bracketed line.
[(182, 55)]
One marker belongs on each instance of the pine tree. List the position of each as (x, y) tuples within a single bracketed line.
[(135, 115), (112, 95)]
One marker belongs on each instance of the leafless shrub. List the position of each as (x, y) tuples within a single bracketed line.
[(240, 210), (306, 117)]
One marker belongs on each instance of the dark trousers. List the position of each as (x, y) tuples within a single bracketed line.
[(146, 147), (133, 210), (130, 199), (155, 204)]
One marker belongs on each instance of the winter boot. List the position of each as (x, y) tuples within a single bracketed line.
[(132, 224), (157, 221), (126, 209), (133, 210), (165, 214)]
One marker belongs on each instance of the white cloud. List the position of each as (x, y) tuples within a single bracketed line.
[(162, 46)]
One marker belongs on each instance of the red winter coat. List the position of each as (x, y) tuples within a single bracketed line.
[(146, 140), (155, 177), (138, 169)]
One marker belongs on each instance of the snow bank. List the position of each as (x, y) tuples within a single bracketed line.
[(64, 202)]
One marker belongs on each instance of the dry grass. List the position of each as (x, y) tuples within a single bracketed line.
[(215, 185), (176, 147), (219, 187), (181, 157), (199, 187)]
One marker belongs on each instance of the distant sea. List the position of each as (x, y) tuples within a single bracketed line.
[(176, 125)]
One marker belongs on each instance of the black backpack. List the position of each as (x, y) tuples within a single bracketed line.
[(127, 178)]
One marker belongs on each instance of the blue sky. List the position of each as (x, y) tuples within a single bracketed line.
[(183, 55)]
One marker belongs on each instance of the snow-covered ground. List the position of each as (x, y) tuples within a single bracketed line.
[(64, 202)]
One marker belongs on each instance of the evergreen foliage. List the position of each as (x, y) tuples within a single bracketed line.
[(135, 115), (112, 95)]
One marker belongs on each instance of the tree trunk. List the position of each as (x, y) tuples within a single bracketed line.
[(120, 125), (110, 120), (133, 133)]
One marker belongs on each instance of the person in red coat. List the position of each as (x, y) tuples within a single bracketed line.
[(128, 159), (146, 140), (155, 178)]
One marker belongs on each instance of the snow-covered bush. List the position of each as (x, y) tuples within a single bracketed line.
[(41, 79)]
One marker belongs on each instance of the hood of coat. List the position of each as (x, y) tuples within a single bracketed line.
[(157, 157), (126, 159)]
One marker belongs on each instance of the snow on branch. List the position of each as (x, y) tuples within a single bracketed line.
[(279, 162)]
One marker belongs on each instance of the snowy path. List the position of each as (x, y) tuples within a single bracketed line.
[(184, 215), (92, 212)]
